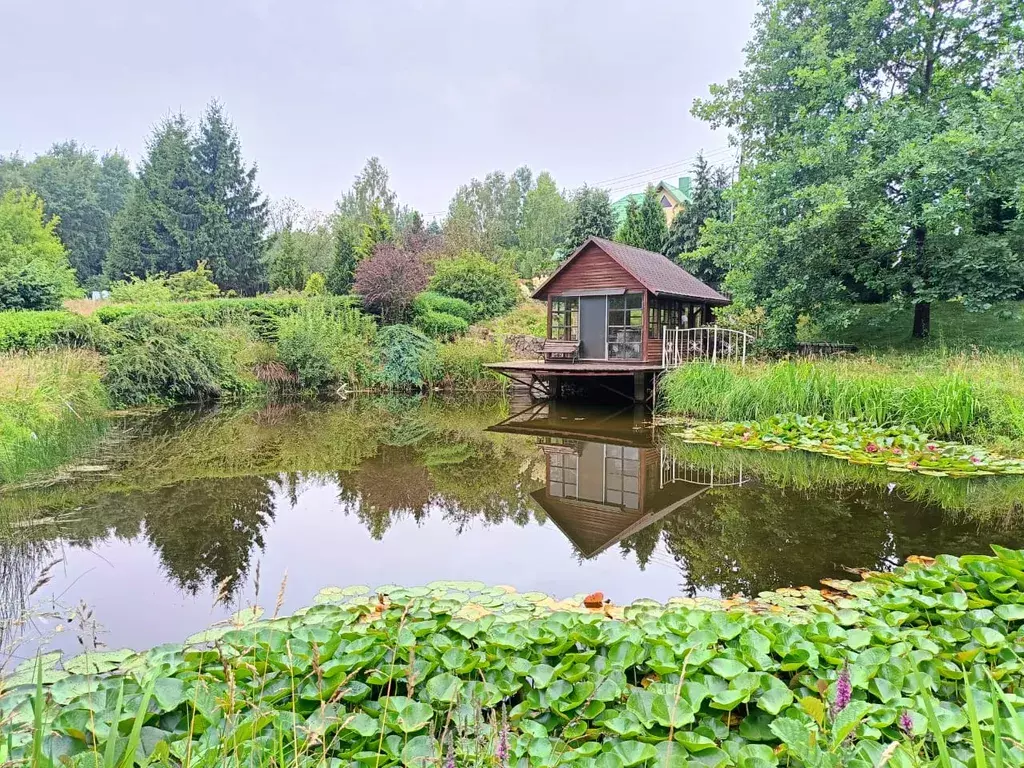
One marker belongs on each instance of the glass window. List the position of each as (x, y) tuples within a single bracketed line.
[(667, 313), (665, 202), (622, 476), (625, 326), (565, 318), (563, 478)]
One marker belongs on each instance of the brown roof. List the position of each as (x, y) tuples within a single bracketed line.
[(655, 272)]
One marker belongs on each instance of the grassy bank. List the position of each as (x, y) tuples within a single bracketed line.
[(972, 398), (50, 408), (915, 668)]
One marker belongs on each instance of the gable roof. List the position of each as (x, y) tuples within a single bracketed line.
[(682, 193), (655, 272)]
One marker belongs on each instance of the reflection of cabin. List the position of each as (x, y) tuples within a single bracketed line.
[(605, 478), (608, 305)]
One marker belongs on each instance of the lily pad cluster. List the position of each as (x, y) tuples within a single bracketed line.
[(899, 449), (907, 666)]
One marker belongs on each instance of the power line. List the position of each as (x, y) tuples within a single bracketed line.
[(616, 180)]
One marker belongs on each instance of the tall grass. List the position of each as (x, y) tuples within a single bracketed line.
[(50, 408), (977, 398)]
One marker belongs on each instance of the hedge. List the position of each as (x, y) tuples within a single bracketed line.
[(26, 330)]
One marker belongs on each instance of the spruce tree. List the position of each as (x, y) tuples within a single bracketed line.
[(591, 216), (644, 226), (709, 185), (342, 273), (158, 228), (234, 212)]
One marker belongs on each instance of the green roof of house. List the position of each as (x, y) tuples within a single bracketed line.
[(682, 191)]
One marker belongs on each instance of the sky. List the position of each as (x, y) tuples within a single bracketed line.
[(441, 90)]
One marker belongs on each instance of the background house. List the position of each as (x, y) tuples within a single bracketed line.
[(673, 199)]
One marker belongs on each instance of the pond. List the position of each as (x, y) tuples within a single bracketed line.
[(177, 520)]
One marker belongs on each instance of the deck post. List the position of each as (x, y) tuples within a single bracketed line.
[(639, 387)]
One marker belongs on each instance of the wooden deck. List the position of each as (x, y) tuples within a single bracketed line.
[(569, 368)]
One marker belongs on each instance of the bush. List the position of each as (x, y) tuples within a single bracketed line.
[(389, 280), (316, 285), (460, 365), (38, 330), (152, 359), (489, 288), (323, 348), (263, 314), (30, 286), (399, 353), (137, 290), (193, 285), (441, 325), (429, 301)]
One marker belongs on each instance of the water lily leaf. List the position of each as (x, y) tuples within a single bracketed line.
[(94, 662), (421, 751), (775, 699), (362, 724), (443, 687), (633, 752), (727, 668), (1010, 612)]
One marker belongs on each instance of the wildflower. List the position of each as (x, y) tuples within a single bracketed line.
[(906, 723), (747, 435), (502, 750), (871, 448), (896, 451), (843, 691), (932, 447), (449, 758), (912, 465), (974, 460)]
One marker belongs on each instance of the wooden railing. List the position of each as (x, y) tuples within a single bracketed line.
[(706, 344)]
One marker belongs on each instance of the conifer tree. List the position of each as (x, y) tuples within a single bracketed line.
[(645, 225), (591, 216)]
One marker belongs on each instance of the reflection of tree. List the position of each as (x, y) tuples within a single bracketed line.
[(389, 486), (205, 530), (747, 540)]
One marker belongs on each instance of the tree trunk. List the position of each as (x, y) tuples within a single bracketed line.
[(922, 320)]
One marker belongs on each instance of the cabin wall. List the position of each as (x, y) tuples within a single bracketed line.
[(592, 269)]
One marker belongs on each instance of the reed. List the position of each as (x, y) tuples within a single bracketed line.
[(975, 398)]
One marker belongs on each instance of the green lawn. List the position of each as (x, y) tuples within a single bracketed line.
[(880, 327)]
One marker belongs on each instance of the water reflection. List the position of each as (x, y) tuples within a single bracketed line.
[(548, 497)]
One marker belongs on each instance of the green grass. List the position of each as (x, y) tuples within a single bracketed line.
[(529, 318), (953, 329), (51, 405), (971, 398)]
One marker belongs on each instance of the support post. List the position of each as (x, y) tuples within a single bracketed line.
[(639, 387)]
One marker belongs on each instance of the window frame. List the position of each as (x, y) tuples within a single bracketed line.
[(565, 318), (629, 317)]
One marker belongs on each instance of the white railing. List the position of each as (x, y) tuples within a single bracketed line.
[(706, 344)]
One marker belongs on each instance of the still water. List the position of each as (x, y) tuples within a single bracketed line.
[(178, 520)]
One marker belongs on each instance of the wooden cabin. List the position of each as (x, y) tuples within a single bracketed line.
[(608, 305), (615, 299)]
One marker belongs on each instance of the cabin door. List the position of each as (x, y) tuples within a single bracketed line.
[(593, 327)]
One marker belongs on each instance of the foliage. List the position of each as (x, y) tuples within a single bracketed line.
[(83, 192), (899, 449), (487, 216), (545, 217), (193, 284), (644, 225), (195, 199), (189, 285), (262, 314), (488, 287), (369, 190), (591, 216), (460, 364), (325, 348), (963, 399), (152, 359), (440, 325), (399, 351), (28, 331), (32, 286), (389, 280), (235, 213), (709, 185), (378, 231), (50, 408), (343, 267), (920, 659), (30, 250), (429, 301), (287, 267), (316, 285), (883, 158), (530, 319)]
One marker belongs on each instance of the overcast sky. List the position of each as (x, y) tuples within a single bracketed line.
[(441, 91)]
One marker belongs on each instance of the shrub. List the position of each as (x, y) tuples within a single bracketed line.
[(30, 286), (193, 285), (460, 365), (399, 353), (152, 359), (323, 348), (441, 325), (316, 285), (489, 288), (38, 330), (429, 301), (138, 290), (389, 280)]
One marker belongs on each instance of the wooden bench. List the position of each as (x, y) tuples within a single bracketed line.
[(555, 349)]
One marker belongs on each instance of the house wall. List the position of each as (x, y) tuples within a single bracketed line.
[(592, 269)]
